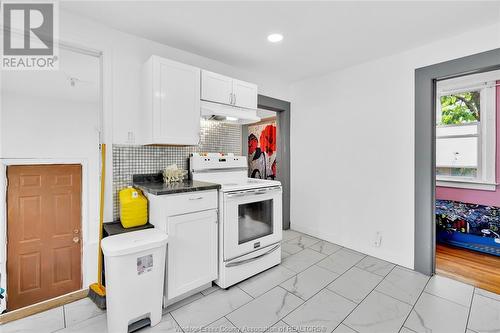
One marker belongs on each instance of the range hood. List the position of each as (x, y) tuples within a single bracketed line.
[(228, 113)]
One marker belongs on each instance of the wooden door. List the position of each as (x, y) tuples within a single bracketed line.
[(43, 232)]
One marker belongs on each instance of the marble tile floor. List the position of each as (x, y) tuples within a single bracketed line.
[(319, 287)]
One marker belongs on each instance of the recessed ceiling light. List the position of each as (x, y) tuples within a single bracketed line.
[(275, 38)]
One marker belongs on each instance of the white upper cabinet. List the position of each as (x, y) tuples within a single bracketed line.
[(216, 88), (225, 90), (171, 94), (244, 94)]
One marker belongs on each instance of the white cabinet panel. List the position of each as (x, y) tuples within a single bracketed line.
[(225, 90), (457, 152), (216, 88), (171, 102), (244, 94), (189, 202), (192, 251)]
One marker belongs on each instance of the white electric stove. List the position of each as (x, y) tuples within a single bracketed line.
[(250, 216)]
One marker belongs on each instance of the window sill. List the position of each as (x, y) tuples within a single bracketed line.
[(467, 184)]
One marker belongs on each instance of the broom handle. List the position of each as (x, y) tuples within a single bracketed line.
[(101, 213)]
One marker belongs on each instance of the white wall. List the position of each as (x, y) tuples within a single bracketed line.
[(352, 148), (46, 120)]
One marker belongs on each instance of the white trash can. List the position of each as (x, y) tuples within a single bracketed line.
[(135, 271)]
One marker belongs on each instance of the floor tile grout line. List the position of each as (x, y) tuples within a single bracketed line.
[(64, 316), (231, 323), (416, 301), (337, 272), (235, 286), (470, 309), (326, 287), (397, 299), (409, 329), (314, 263), (448, 300), (485, 295), (227, 314), (289, 312), (357, 305), (350, 300), (244, 291), (220, 319), (278, 286), (180, 307), (178, 325), (305, 300)]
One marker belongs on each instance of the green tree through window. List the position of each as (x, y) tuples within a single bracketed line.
[(460, 108)]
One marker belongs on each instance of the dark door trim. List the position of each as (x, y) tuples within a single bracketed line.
[(425, 177), (282, 109)]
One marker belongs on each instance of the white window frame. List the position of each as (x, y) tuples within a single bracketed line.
[(486, 132)]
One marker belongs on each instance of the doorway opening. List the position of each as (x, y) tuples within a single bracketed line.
[(467, 164), (267, 145), (426, 136), (262, 146)]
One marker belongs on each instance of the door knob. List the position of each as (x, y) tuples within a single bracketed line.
[(76, 239)]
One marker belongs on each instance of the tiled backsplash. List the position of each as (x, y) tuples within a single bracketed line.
[(129, 160)]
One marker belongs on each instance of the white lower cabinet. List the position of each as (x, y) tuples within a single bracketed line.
[(191, 221), (192, 251)]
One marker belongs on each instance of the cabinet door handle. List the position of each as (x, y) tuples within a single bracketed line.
[(231, 98), (197, 198), (234, 99)]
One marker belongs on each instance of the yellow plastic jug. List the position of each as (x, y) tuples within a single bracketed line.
[(133, 207)]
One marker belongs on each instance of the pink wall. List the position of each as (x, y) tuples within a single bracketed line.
[(489, 198)]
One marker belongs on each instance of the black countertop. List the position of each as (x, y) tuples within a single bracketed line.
[(153, 184)]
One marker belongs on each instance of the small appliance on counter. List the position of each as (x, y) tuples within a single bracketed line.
[(250, 216)]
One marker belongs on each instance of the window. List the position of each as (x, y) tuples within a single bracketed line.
[(466, 131)]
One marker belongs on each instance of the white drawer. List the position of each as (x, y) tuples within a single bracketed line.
[(189, 202)]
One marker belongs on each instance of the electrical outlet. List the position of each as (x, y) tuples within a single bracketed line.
[(378, 239)]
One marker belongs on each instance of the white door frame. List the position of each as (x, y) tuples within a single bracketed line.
[(426, 79)]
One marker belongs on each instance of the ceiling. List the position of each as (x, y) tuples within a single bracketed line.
[(319, 36)]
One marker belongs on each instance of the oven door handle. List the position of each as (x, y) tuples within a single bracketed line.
[(237, 195), (245, 261)]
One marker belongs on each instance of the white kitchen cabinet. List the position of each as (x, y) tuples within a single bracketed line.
[(225, 90), (190, 219), (244, 94), (216, 88), (171, 100), (192, 251)]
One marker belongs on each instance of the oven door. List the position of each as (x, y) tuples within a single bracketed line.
[(252, 220)]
